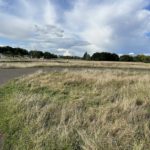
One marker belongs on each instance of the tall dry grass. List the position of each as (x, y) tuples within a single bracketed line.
[(73, 63), (89, 110)]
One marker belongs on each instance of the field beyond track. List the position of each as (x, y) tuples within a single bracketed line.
[(36, 63)]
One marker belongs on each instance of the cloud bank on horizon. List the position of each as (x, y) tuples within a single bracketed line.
[(73, 27)]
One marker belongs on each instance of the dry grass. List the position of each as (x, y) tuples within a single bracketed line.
[(73, 63), (89, 110)]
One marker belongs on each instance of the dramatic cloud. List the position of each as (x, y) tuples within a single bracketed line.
[(73, 27), (112, 25)]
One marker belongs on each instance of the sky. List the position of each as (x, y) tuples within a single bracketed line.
[(72, 27)]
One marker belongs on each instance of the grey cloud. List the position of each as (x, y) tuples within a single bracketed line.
[(53, 37), (49, 30)]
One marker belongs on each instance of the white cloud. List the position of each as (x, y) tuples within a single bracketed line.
[(111, 25), (67, 53), (49, 13), (14, 27), (36, 24), (131, 53), (20, 18), (64, 51)]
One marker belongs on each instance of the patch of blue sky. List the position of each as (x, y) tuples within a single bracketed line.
[(147, 34)]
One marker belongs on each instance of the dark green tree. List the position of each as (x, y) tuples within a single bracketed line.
[(105, 56), (9, 51), (126, 58), (86, 56), (142, 58), (36, 54), (48, 55)]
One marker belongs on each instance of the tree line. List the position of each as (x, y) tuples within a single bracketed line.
[(106, 56), (98, 56), (14, 52)]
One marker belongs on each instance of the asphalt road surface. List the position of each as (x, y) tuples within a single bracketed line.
[(9, 74)]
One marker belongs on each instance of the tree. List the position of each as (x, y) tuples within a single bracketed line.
[(20, 52), (105, 56), (86, 56), (48, 55), (126, 58), (7, 50), (142, 58), (70, 57), (36, 54)]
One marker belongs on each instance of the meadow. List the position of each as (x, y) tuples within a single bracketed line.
[(32, 63), (77, 110)]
